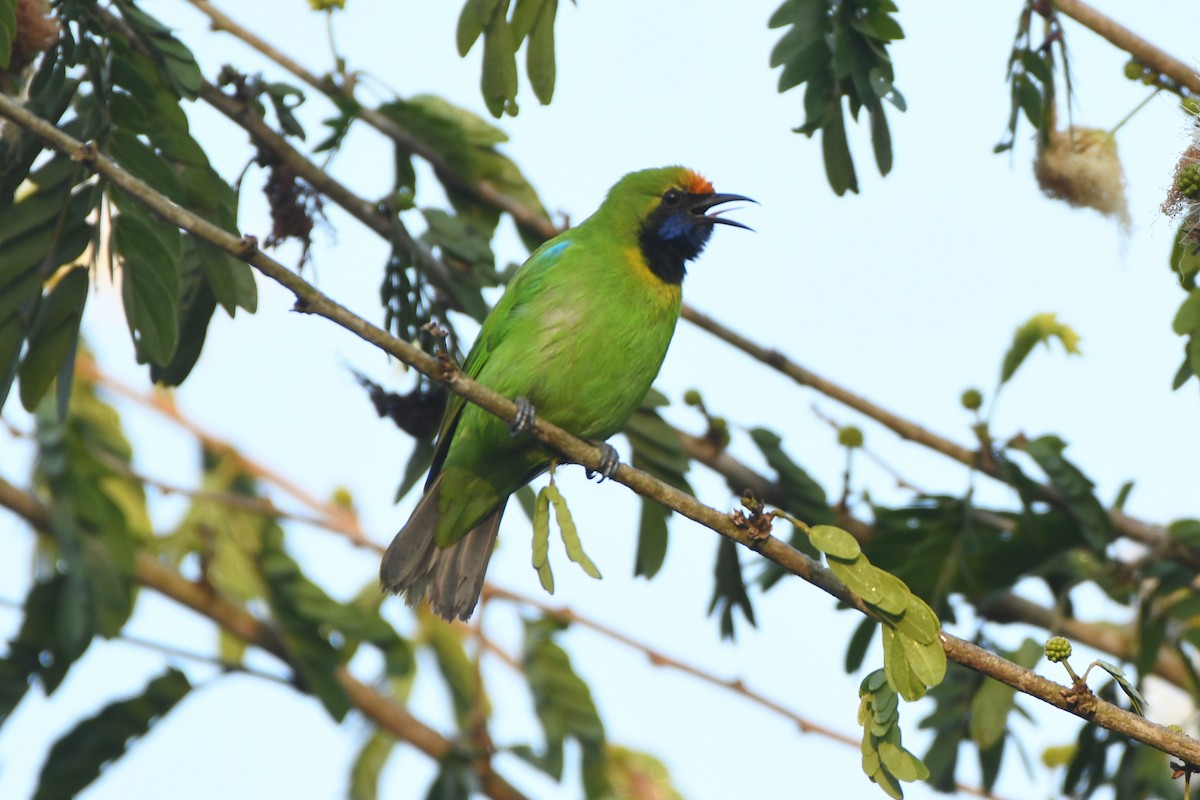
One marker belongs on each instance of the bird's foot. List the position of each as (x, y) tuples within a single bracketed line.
[(525, 418), (609, 461)]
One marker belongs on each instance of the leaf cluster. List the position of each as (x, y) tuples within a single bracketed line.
[(532, 24), (840, 50), (885, 760)]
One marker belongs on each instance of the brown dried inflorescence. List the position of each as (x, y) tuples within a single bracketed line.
[(36, 32), (294, 204), (1081, 166)]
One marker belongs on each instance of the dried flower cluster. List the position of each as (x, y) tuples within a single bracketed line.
[(1081, 166), (36, 32)]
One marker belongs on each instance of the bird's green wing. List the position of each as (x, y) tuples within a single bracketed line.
[(520, 289)]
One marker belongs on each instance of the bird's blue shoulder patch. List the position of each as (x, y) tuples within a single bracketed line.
[(554, 251)]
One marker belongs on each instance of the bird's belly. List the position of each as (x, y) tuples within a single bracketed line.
[(592, 377)]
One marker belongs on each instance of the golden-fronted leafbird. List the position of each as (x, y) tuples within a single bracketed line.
[(579, 335)]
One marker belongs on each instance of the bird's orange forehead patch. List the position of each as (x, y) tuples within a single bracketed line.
[(696, 183)]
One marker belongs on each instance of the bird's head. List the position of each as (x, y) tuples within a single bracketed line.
[(675, 216)]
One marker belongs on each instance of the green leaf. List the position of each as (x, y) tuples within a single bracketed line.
[(539, 53), (144, 162), (894, 594), (97, 521), (1031, 100), (371, 759), (456, 780), (524, 16), (1127, 686), (901, 763), (989, 712), (1187, 318), (834, 542), (729, 589), (417, 466), (471, 22), (176, 64), (8, 30), (813, 57), (653, 537), (658, 451), (303, 612), (562, 701), (227, 538), (896, 663), (570, 536), (499, 82), (839, 165), (197, 309), (456, 668), (860, 576), (926, 659), (1040, 328), (39, 648), (1038, 65), (541, 540), (231, 281), (45, 229), (150, 254), (881, 140), (1076, 489), (940, 546), (919, 622), (77, 758), (840, 51), (52, 339), (994, 701), (803, 496), (859, 642), (634, 775)]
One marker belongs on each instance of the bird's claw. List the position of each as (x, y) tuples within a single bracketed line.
[(609, 461), (525, 418)]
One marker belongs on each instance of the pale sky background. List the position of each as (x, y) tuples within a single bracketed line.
[(907, 294)]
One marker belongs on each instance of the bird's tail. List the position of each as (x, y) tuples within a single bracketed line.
[(452, 577)]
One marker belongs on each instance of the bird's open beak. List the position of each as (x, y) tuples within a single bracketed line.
[(709, 201)]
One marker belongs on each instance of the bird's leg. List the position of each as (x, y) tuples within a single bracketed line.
[(523, 421), (609, 461)]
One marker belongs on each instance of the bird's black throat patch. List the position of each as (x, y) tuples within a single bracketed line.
[(672, 236)]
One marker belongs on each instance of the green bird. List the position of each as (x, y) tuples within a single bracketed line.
[(579, 334)]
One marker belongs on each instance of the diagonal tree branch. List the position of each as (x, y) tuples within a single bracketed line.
[(310, 300)]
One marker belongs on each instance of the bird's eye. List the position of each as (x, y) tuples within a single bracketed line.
[(672, 197)]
